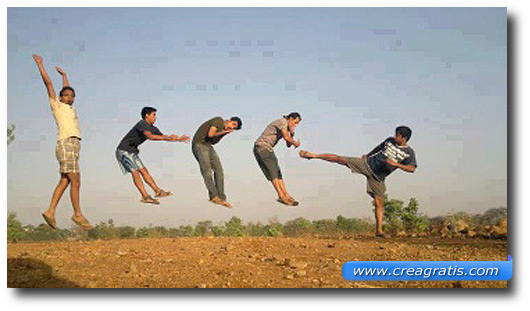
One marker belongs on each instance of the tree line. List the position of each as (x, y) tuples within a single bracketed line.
[(398, 217)]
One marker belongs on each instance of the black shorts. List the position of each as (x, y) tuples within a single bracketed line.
[(268, 163)]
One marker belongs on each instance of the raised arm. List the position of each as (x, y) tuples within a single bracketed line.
[(289, 139), (44, 75), (63, 74)]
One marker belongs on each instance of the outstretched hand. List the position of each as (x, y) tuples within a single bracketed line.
[(60, 71), (37, 58)]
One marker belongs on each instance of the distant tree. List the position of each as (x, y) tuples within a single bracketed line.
[(125, 232), (218, 230), (186, 230), (493, 215), (255, 229), (298, 226), (203, 228), (234, 227), (105, 230), (158, 232), (142, 232), (10, 133), (398, 217), (352, 225), (413, 221), (15, 232), (325, 226)]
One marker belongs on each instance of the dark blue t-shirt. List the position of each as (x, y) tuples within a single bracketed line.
[(136, 136), (389, 149)]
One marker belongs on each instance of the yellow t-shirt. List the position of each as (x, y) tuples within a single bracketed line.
[(66, 119)]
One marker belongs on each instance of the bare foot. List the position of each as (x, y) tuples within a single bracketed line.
[(306, 154)]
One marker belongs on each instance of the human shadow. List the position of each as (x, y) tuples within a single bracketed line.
[(31, 273)]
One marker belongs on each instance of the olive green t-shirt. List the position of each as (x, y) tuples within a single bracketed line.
[(201, 136)]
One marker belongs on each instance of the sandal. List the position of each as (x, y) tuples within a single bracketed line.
[(287, 202), (226, 204), (219, 201), (149, 199), (295, 203), (163, 193), (83, 223), (50, 220)]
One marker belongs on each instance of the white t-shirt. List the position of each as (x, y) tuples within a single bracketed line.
[(65, 118)]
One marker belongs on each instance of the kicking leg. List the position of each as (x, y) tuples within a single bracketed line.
[(323, 156)]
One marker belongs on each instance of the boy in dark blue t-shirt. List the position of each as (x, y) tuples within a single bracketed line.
[(127, 153), (391, 154)]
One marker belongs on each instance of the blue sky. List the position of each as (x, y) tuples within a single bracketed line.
[(353, 73)]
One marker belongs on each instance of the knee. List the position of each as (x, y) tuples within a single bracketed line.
[(75, 180)]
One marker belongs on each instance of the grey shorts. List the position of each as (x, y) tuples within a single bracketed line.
[(67, 153), (268, 163), (129, 162), (374, 186)]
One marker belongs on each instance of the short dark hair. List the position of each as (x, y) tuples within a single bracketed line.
[(404, 131), (293, 115), (147, 110), (66, 88), (239, 122)]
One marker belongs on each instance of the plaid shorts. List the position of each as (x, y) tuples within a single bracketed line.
[(129, 162), (67, 153)]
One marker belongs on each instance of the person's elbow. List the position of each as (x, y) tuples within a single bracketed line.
[(412, 169)]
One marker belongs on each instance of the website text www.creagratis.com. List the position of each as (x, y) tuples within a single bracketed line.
[(426, 272)]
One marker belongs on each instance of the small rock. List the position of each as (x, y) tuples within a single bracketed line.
[(202, 286), (401, 234), (289, 276), (301, 273)]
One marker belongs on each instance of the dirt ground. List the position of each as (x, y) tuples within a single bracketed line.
[(232, 262)]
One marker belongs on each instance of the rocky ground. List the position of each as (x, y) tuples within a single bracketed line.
[(232, 262)]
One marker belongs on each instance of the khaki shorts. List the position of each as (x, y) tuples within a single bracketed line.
[(67, 153), (374, 186)]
